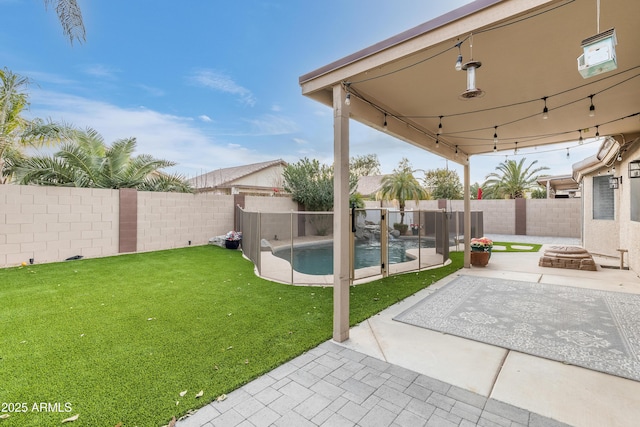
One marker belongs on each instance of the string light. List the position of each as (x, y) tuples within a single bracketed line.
[(456, 151), (437, 141), (581, 139), (515, 150), (347, 100), (495, 135), (440, 126), (545, 110), (495, 147), (567, 153), (592, 108), (385, 121), (597, 131), (458, 66)]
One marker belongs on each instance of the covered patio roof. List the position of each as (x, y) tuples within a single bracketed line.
[(408, 87), (528, 51)]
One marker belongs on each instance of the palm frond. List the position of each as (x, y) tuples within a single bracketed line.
[(70, 17)]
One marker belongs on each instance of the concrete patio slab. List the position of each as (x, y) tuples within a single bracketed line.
[(569, 394), (393, 373)]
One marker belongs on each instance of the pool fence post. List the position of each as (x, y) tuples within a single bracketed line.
[(291, 248), (384, 242)]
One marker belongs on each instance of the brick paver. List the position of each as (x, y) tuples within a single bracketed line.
[(334, 386)]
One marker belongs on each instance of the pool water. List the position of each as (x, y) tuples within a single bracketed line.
[(318, 259)]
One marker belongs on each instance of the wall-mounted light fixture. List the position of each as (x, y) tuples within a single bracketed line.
[(614, 182)]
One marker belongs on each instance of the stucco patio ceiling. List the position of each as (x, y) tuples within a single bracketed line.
[(528, 51)]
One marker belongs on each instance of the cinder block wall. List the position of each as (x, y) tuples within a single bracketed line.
[(554, 217), (544, 217), (171, 220), (50, 224), (499, 216)]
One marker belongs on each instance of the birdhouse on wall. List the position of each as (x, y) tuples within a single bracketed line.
[(599, 54)]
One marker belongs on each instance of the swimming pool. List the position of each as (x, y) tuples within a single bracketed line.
[(318, 259)]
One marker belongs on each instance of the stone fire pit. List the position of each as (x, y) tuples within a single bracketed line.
[(571, 257)]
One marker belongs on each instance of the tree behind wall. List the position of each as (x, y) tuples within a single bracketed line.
[(443, 184), (16, 132), (84, 160), (401, 185), (512, 180)]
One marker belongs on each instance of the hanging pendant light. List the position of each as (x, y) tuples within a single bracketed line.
[(472, 91)]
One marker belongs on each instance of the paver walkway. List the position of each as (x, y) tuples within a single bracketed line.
[(335, 386)]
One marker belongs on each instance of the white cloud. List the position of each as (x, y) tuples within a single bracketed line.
[(153, 91), (205, 118), (99, 70), (300, 141), (270, 124), (223, 83), (161, 135)]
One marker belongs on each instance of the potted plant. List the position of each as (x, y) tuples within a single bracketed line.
[(233, 239), (415, 229), (480, 251)]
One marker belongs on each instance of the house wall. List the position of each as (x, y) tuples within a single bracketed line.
[(606, 236), (629, 230), (268, 177)]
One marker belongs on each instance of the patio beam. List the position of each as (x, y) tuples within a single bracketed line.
[(341, 226)]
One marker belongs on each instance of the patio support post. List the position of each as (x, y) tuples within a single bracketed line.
[(341, 225), (467, 215)]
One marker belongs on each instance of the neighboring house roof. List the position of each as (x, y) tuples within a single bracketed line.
[(608, 150), (221, 178), (559, 182), (368, 186)]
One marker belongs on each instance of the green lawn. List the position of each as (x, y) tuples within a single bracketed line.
[(519, 247), (116, 340)]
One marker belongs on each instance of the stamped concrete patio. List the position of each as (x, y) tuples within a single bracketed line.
[(392, 374)]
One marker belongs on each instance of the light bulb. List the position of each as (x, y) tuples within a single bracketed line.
[(545, 110), (459, 63), (440, 126), (347, 100), (385, 121), (495, 135), (592, 111), (495, 147), (437, 142)]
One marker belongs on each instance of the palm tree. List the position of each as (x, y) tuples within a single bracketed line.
[(70, 16), (401, 185), (16, 132), (512, 180), (84, 160)]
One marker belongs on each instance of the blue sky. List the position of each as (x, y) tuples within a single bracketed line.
[(212, 84)]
